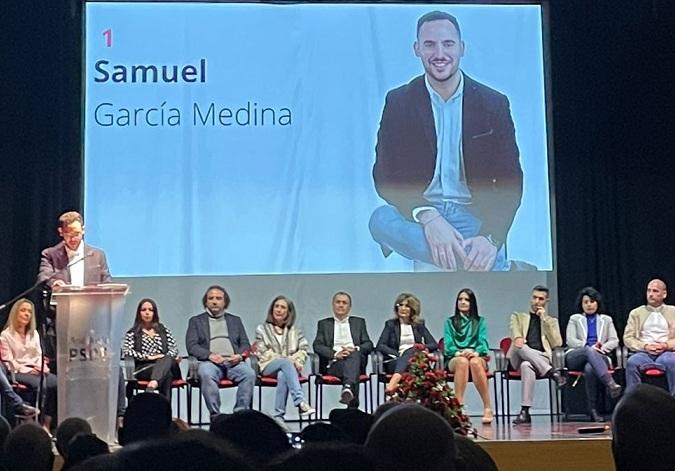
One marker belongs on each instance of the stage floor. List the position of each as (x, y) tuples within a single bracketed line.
[(546, 445), (542, 428)]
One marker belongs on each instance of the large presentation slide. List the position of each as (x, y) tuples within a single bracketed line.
[(239, 139)]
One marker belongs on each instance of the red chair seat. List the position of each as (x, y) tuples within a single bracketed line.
[(226, 383), (653, 372), (272, 381), (176, 383), (334, 380), (509, 375)]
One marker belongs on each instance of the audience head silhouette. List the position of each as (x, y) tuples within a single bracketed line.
[(28, 447), (321, 432), (353, 422), (147, 416), (191, 450), (327, 457), (642, 428), (434, 444), (67, 430), (256, 435), (82, 447)]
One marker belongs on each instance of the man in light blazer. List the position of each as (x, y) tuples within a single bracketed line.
[(534, 335), (650, 335), (218, 340), (343, 346)]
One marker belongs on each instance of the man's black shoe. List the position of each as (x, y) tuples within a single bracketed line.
[(595, 417), (347, 396), (558, 377), (614, 390), (25, 410), (523, 418)]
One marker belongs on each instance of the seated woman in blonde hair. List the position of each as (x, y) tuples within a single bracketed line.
[(400, 335), (21, 350)]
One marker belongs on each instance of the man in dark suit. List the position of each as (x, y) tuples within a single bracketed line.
[(343, 346), (218, 340), (71, 261), (447, 161)]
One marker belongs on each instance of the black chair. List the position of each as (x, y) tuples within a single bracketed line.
[(321, 380), (490, 373), (271, 382), (617, 364), (507, 374), (133, 385), (194, 383)]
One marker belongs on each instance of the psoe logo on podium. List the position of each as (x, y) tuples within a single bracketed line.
[(91, 348)]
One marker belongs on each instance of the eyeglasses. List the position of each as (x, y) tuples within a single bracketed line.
[(402, 305), (71, 235)]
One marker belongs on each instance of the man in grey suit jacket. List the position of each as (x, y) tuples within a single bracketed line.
[(343, 346), (218, 340), (71, 261)]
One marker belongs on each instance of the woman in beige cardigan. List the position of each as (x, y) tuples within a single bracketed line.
[(282, 350)]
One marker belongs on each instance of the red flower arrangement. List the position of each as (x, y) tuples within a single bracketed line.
[(429, 387)]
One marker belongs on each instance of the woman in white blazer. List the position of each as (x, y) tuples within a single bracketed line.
[(591, 336)]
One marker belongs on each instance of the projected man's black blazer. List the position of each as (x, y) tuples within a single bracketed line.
[(406, 153)]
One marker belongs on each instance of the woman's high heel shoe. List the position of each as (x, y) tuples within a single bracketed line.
[(488, 417)]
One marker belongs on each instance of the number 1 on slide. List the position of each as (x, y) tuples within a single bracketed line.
[(107, 34)]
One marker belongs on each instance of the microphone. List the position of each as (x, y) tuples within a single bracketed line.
[(45, 281), (593, 429)]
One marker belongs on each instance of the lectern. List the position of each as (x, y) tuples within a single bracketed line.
[(88, 337)]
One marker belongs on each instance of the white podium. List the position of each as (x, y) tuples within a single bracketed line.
[(88, 338)]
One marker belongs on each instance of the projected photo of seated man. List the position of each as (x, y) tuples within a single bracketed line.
[(447, 162)]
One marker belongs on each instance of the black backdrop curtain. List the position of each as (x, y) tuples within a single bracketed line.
[(612, 92)]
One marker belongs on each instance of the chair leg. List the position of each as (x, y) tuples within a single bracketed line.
[(200, 409), (377, 390), (319, 403), (366, 406), (507, 398), (309, 400), (189, 404), (563, 402), (494, 385), (178, 401)]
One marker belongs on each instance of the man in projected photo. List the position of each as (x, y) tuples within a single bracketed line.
[(447, 162)]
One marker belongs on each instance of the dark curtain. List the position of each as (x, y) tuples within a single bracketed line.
[(612, 79), (41, 137), (613, 76)]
